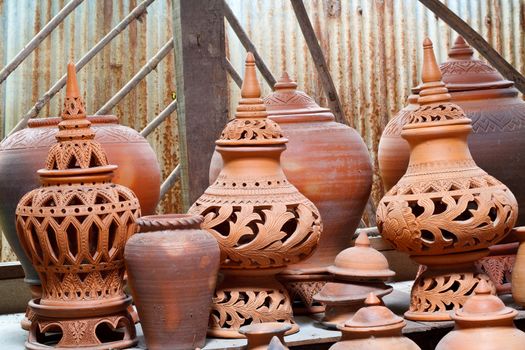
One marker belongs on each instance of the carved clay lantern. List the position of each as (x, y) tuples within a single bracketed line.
[(497, 113), (261, 221), (484, 323), (357, 272), (374, 327), (445, 211), (318, 149), (74, 228)]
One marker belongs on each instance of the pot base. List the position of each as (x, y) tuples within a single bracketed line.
[(114, 330), (302, 289), (241, 300), (444, 285)]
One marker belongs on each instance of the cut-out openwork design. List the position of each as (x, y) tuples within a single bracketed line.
[(74, 229), (445, 208), (261, 221)]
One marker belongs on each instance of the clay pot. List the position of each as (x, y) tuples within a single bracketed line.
[(496, 111), (374, 327), (261, 335), (172, 269), (24, 152), (261, 221), (518, 271), (74, 228), (445, 211), (484, 323)]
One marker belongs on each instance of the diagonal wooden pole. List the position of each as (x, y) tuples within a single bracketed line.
[(152, 125)]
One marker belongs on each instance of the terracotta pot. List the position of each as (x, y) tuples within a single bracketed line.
[(484, 323), (261, 335), (497, 113), (261, 221), (374, 327), (172, 270), (518, 271), (74, 228), (24, 152), (445, 211)]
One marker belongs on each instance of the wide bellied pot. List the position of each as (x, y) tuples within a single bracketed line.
[(172, 269), (24, 152), (497, 113), (267, 335), (261, 221), (445, 211), (74, 228), (374, 327), (484, 323), (357, 272)]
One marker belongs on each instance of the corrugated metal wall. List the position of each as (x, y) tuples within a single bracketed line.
[(372, 47)]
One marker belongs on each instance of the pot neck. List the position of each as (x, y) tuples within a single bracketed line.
[(254, 161)]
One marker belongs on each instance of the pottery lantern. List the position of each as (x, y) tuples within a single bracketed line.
[(329, 163), (261, 221), (374, 327), (445, 211), (267, 335), (497, 113), (357, 272), (484, 323), (74, 228)]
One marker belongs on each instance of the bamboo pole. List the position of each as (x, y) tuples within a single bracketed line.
[(232, 72), (152, 125), (170, 181)]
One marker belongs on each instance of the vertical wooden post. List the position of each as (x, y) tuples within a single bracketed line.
[(202, 91)]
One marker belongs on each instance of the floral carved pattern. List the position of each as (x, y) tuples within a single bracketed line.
[(499, 269), (434, 112), (251, 129)]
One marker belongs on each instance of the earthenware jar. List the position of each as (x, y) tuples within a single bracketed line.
[(357, 272), (24, 152), (261, 221), (374, 327), (260, 335), (518, 271), (318, 149), (172, 269), (484, 323), (497, 113), (445, 211), (74, 228)]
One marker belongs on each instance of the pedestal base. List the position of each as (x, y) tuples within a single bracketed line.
[(445, 285), (108, 326), (302, 288), (247, 297), (36, 293)]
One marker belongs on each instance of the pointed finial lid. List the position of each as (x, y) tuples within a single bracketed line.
[(361, 262), (433, 89), (461, 50), (484, 305), (76, 148), (285, 83), (251, 125), (374, 317)]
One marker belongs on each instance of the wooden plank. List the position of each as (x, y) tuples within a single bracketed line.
[(476, 41), (319, 61), (11, 270), (202, 90)]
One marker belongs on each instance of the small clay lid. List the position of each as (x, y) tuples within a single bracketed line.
[(361, 262), (484, 306), (463, 72), (373, 317), (287, 101)]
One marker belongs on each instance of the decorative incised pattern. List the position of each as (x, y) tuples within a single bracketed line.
[(498, 120), (462, 165), (396, 125), (251, 129), (446, 215), (434, 112), (235, 308), (466, 66), (304, 290), (499, 269), (444, 293), (293, 97)]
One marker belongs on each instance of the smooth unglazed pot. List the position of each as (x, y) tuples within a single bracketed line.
[(518, 271), (172, 269), (24, 152), (445, 211), (74, 228), (267, 335), (497, 113), (261, 221), (484, 323)]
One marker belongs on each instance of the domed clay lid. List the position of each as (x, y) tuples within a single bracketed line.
[(373, 318), (361, 262), (76, 154), (483, 306), (463, 72), (286, 103), (251, 126), (435, 107)]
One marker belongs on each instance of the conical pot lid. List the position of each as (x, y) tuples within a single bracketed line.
[(462, 72), (373, 317)]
